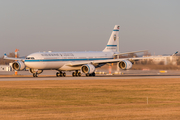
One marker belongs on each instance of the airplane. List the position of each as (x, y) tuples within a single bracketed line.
[(81, 62)]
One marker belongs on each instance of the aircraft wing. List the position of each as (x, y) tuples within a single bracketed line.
[(79, 63), (11, 58), (130, 52)]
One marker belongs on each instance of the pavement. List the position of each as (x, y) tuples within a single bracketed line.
[(128, 74)]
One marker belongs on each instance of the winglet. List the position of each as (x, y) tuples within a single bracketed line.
[(175, 53), (5, 55)]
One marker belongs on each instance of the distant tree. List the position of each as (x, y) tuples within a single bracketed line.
[(146, 53), (132, 55), (123, 56), (144, 62), (178, 61), (12, 54), (161, 63), (1, 61)]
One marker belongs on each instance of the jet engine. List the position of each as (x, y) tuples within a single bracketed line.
[(88, 68), (31, 70), (125, 65), (18, 65)]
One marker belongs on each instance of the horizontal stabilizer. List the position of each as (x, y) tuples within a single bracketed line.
[(11, 58), (130, 52)]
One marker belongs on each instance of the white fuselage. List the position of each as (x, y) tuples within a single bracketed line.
[(59, 60)]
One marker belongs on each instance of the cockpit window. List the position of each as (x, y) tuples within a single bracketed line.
[(30, 58)]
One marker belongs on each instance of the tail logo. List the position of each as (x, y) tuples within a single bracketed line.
[(114, 37)]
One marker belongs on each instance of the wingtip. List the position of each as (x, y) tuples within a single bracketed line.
[(5, 55), (175, 53)]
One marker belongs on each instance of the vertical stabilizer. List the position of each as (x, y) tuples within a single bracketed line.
[(112, 43)]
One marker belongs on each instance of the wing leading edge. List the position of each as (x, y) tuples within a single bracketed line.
[(79, 63)]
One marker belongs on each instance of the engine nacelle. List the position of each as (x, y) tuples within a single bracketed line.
[(88, 68), (18, 65), (31, 70), (125, 65)]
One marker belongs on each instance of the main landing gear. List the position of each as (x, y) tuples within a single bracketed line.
[(92, 74), (76, 73), (61, 74)]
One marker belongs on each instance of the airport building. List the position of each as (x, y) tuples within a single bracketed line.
[(5, 68), (9, 68), (170, 60)]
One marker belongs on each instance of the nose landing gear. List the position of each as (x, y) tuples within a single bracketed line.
[(35, 74)]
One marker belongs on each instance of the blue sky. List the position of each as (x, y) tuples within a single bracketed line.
[(86, 25)]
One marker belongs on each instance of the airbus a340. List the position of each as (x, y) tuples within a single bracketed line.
[(80, 62)]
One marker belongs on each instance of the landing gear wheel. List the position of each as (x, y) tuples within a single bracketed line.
[(35, 75), (79, 74), (57, 74), (61, 74), (74, 74), (87, 75), (93, 74), (64, 74)]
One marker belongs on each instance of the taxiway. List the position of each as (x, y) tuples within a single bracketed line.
[(50, 75)]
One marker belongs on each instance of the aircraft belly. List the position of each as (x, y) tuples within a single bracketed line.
[(69, 68), (44, 65)]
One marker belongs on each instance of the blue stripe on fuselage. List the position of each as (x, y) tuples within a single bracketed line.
[(55, 60), (111, 45), (115, 30)]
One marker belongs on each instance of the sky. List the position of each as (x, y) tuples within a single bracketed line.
[(86, 25)]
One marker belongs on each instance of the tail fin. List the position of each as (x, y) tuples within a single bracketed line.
[(112, 43)]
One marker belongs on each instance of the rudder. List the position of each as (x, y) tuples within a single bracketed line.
[(112, 43)]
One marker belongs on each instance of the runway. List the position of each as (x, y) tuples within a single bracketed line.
[(50, 75)]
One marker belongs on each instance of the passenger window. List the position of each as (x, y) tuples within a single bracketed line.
[(30, 58)]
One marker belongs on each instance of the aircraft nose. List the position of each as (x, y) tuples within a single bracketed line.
[(27, 64)]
